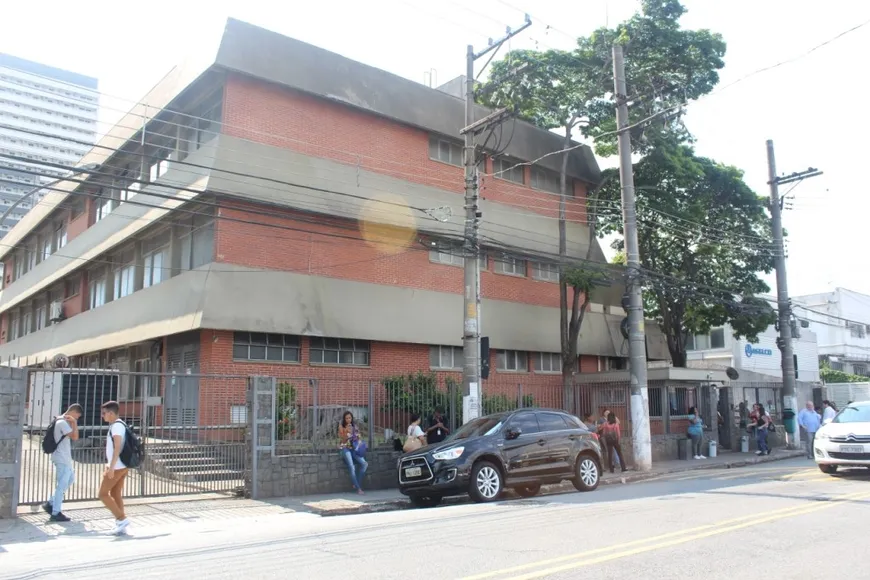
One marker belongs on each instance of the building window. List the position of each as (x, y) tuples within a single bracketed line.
[(549, 181), (46, 247), (547, 362), (508, 169), (14, 325), (97, 292), (197, 244), (340, 351), (512, 360), (856, 330), (266, 347), (446, 258), (72, 286), (155, 260), (159, 167), (31, 259), (41, 313), (103, 208), (655, 402), (681, 399), (860, 370), (60, 236), (511, 266), (717, 338), (125, 278), (545, 272), (27, 322), (446, 357), (446, 151)]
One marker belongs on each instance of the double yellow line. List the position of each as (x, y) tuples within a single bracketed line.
[(544, 568)]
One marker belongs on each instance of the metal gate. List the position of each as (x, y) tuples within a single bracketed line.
[(192, 427)]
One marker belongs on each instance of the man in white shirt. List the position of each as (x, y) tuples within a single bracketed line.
[(112, 487), (66, 429), (829, 412)]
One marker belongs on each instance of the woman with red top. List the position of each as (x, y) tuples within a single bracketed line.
[(611, 435)]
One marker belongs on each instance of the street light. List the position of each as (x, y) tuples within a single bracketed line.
[(84, 168)]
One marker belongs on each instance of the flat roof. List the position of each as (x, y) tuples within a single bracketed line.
[(58, 74)]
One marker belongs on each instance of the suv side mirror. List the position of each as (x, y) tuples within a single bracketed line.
[(513, 433)]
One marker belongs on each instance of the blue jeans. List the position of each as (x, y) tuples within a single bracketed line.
[(356, 475), (761, 439), (66, 475)]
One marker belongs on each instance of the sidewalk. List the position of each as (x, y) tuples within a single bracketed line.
[(385, 500), (90, 518)]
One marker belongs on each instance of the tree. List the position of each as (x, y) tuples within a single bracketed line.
[(570, 91), (704, 237), (830, 375)]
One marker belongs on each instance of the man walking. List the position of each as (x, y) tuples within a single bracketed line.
[(112, 487), (810, 421), (66, 429)]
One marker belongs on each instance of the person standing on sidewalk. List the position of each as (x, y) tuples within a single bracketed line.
[(762, 423), (696, 432), (810, 421), (611, 434), (66, 429), (112, 486), (829, 411), (349, 440)]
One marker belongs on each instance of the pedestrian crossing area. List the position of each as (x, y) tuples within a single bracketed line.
[(767, 473)]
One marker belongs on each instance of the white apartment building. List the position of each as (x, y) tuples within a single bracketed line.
[(841, 320), (720, 348), (34, 99)]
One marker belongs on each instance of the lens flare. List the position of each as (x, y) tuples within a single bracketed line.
[(388, 224)]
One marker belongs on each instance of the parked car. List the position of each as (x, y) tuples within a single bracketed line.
[(844, 441), (521, 450)]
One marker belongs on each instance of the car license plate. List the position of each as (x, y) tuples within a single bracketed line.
[(852, 448), (413, 472)]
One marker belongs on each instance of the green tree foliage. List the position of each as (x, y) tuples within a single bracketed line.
[(571, 91), (704, 237), (830, 375)]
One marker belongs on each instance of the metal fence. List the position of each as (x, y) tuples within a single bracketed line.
[(192, 427), (308, 411)]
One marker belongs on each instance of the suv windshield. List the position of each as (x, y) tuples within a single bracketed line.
[(854, 414), (479, 427)]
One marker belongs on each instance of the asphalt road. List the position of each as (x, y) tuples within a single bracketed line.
[(780, 520)]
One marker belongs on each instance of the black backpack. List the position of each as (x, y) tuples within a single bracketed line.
[(49, 444), (133, 453)]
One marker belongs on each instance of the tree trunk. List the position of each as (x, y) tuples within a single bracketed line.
[(678, 358)]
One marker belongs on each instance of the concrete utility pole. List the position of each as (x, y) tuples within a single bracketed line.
[(640, 430), (783, 302), (471, 295)]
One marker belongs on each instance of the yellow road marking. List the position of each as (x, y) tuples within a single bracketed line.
[(698, 532), (802, 473)]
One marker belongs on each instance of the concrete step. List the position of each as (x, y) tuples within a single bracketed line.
[(206, 475)]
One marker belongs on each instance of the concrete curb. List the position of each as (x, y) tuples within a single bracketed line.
[(565, 487)]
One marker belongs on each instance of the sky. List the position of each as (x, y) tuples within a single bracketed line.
[(802, 105)]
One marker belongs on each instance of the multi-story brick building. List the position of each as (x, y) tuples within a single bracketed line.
[(271, 212)]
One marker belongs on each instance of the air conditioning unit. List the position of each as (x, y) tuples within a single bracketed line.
[(56, 311)]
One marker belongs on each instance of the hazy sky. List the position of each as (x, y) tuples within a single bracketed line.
[(801, 105)]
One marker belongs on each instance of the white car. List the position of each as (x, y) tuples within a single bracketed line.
[(845, 439)]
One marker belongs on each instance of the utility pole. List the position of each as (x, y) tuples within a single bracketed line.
[(640, 430), (783, 302), (471, 295)]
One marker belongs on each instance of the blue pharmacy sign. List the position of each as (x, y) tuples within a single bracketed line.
[(752, 350)]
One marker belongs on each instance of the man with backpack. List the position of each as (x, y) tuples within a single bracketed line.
[(56, 442), (112, 486)]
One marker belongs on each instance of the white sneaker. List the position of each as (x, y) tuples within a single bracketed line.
[(697, 457), (121, 527)]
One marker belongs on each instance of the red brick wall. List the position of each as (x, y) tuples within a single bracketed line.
[(343, 385), (332, 254), (281, 117), (76, 226)]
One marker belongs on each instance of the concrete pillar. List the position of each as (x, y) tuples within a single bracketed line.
[(12, 395)]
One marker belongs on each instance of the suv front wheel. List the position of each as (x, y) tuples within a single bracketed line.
[(588, 473), (486, 482)]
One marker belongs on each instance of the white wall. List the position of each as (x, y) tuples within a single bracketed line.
[(829, 321)]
